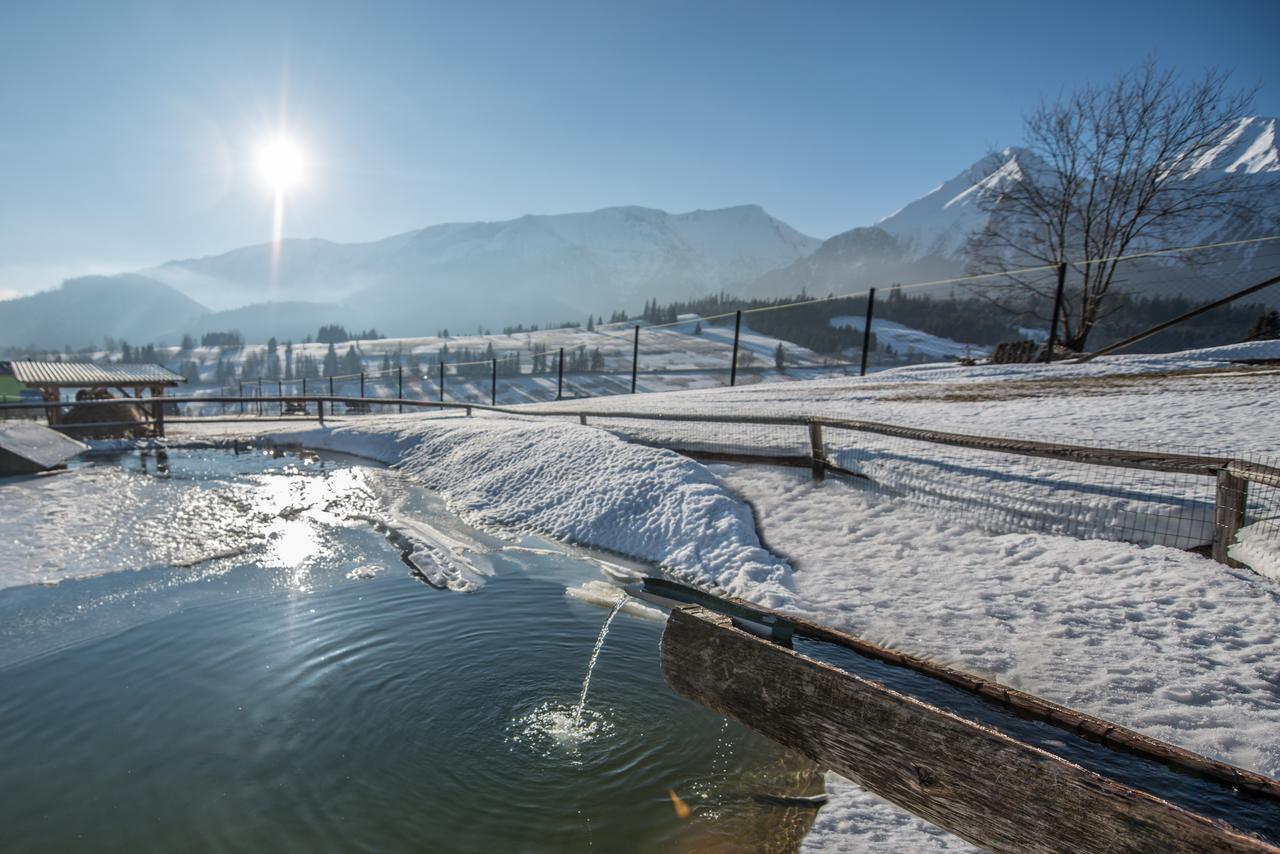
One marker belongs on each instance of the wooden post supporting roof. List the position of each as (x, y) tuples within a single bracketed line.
[(978, 783)]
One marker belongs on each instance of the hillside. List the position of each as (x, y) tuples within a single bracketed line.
[(82, 311)]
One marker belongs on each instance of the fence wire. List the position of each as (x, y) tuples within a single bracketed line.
[(997, 491)]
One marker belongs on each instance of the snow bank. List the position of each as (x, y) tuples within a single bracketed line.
[(907, 341), (580, 486), (1258, 547)]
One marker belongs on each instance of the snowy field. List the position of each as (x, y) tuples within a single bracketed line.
[(1050, 614), (692, 353)]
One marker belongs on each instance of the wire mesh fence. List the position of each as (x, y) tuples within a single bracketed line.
[(1163, 495)]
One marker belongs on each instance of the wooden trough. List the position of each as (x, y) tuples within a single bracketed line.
[(1089, 786)]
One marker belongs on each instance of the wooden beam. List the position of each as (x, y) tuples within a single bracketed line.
[(1230, 500), (980, 784)]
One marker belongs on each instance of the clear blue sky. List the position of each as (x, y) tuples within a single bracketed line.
[(127, 130)]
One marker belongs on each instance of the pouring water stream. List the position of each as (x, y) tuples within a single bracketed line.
[(595, 654)]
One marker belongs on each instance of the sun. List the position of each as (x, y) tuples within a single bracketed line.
[(281, 163)]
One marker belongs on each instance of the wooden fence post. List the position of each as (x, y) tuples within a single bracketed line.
[(817, 456), (159, 413), (1228, 514)]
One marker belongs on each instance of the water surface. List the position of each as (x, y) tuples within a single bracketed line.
[(307, 692)]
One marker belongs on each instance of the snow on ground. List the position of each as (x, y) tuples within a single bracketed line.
[(1155, 638), (910, 342), (1158, 639)]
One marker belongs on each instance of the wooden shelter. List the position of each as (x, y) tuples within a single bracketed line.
[(130, 380)]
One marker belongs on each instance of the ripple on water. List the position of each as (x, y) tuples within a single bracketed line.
[(557, 731)]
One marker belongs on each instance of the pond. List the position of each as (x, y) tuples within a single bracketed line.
[(270, 673)]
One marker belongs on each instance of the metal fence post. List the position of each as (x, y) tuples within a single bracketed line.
[(240, 394), (560, 376), (280, 394), (362, 384), (1057, 313), (866, 331), (737, 331), (493, 385), (259, 396), (442, 380), (400, 387), (331, 385), (635, 359)]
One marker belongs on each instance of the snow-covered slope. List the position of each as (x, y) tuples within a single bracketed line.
[(909, 342)]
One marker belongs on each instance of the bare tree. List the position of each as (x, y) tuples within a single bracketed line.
[(1106, 171)]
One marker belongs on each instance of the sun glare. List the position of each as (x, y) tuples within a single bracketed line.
[(281, 163)]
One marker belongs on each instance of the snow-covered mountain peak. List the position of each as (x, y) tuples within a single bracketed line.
[(941, 221), (1249, 147)]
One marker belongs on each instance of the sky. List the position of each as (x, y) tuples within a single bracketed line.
[(128, 130)]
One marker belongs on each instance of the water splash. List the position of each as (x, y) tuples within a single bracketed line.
[(557, 729), (595, 654)]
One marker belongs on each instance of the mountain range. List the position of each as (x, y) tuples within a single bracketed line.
[(541, 269)]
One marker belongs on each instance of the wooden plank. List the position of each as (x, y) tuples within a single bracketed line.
[(1255, 472), (980, 784), (1071, 720)]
